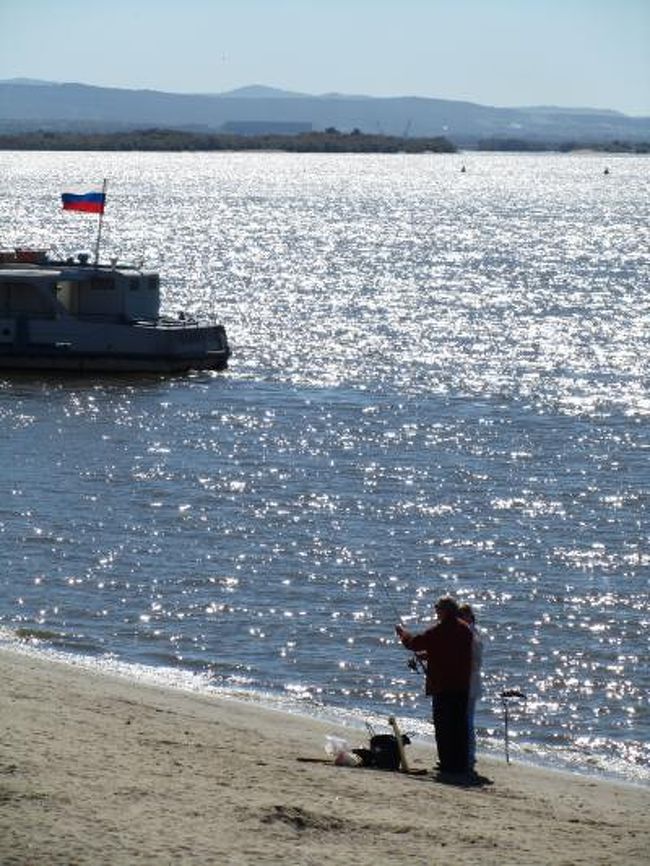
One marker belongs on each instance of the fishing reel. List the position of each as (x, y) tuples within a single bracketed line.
[(412, 663)]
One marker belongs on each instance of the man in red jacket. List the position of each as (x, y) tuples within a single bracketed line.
[(448, 649)]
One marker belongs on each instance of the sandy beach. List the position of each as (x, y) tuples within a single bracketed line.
[(95, 769)]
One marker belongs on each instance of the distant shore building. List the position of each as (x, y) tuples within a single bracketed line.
[(265, 127)]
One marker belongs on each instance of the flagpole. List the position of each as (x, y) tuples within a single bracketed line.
[(99, 227)]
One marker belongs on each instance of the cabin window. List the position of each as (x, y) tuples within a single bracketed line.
[(102, 284), (152, 283), (23, 298), (134, 284)]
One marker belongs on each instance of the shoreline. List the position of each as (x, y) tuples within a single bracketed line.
[(98, 769), (191, 682), (354, 724)]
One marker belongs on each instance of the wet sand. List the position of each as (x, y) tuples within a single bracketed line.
[(95, 769)]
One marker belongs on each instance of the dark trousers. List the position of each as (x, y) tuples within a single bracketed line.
[(450, 722)]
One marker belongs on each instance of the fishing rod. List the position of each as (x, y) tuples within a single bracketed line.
[(391, 601), (415, 662)]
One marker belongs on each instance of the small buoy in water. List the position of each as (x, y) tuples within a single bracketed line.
[(606, 171), (463, 170)]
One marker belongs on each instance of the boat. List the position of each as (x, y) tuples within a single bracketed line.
[(89, 317)]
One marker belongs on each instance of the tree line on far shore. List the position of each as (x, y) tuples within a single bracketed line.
[(329, 141), (521, 145)]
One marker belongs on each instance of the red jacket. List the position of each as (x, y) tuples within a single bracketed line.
[(448, 646)]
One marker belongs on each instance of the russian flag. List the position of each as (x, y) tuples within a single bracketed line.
[(90, 202)]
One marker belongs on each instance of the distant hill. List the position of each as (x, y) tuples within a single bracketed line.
[(260, 91), (26, 105), (37, 81)]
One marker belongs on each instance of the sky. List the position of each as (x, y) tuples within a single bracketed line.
[(571, 53)]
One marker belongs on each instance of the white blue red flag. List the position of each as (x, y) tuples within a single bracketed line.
[(90, 202)]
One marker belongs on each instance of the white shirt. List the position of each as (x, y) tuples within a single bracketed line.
[(475, 686)]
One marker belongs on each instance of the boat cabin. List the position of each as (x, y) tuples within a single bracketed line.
[(80, 290)]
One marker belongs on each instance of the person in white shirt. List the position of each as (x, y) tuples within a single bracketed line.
[(466, 613)]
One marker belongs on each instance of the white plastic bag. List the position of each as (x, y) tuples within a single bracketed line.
[(339, 749), (335, 746)]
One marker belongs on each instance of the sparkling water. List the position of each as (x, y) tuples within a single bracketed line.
[(439, 383)]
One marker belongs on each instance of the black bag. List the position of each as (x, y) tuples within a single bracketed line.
[(384, 751)]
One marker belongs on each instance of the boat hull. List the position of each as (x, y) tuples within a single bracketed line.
[(104, 347), (113, 363)]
